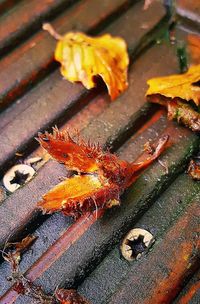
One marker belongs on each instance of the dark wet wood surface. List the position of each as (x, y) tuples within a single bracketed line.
[(33, 97)]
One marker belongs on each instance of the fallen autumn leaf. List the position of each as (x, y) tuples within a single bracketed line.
[(180, 94), (83, 57)]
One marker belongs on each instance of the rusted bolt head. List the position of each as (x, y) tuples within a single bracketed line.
[(17, 176), (136, 242)]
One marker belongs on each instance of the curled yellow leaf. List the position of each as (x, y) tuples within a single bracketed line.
[(83, 57)]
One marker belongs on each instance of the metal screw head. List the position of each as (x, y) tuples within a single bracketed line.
[(17, 176), (136, 242)]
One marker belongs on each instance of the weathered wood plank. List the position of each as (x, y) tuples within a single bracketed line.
[(117, 120), (70, 259), (75, 259), (99, 134), (191, 293), (114, 270), (143, 69), (189, 10), (32, 60), (16, 217), (25, 18), (22, 122), (6, 4), (161, 275)]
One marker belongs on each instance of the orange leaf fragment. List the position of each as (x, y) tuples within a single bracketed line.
[(83, 57)]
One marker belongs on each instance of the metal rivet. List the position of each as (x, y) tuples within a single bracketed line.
[(17, 176), (136, 243)]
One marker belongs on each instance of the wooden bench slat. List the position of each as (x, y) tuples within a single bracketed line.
[(114, 270), (55, 97), (103, 234), (161, 275), (116, 119), (6, 4), (107, 231), (191, 293), (32, 60), (67, 253), (189, 10), (25, 18), (143, 68), (57, 224)]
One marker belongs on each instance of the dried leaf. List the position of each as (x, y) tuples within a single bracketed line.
[(194, 169), (185, 86), (102, 176), (83, 57), (69, 296), (194, 47), (24, 244), (12, 251), (12, 254), (184, 113)]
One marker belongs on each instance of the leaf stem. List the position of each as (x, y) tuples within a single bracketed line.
[(49, 28)]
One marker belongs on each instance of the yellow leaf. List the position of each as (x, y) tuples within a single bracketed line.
[(185, 86), (83, 57)]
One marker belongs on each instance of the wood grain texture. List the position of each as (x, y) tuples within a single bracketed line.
[(37, 110), (34, 58), (85, 254), (24, 19)]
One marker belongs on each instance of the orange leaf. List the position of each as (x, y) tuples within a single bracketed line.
[(83, 57), (185, 86)]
